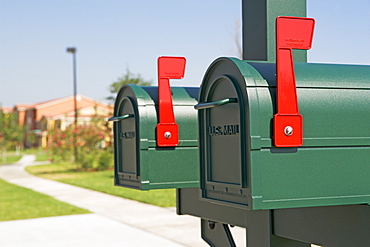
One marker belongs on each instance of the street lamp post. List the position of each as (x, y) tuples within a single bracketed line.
[(73, 51)]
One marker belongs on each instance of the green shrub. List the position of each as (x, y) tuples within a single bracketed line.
[(105, 159), (88, 141)]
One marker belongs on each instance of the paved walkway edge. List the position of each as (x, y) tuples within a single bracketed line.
[(163, 222)]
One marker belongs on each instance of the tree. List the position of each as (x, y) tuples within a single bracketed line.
[(127, 78), (11, 133), (91, 140)]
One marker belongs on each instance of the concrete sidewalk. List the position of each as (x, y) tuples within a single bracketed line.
[(85, 230), (116, 221)]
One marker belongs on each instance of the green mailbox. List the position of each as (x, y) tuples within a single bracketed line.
[(155, 132), (139, 162), (241, 166)]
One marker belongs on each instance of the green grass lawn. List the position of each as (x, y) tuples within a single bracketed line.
[(20, 203), (41, 155), (10, 159), (102, 181)]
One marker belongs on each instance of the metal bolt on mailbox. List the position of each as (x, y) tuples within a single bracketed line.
[(155, 132)]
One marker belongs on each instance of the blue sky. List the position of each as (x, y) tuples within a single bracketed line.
[(112, 36)]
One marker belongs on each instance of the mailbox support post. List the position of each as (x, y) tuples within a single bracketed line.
[(259, 227), (216, 234), (338, 226), (257, 223), (258, 18)]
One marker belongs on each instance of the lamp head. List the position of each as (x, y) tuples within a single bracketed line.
[(71, 50)]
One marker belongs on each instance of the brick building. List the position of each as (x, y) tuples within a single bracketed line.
[(40, 118)]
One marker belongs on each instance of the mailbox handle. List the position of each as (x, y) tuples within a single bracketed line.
[(119, 118), (213, 104)]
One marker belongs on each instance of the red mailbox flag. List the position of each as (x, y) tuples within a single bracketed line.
[(167, 129), (291, 33)]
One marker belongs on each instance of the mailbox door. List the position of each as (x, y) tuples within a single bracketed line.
[(131, 134), (224, 161), (127, 143)]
